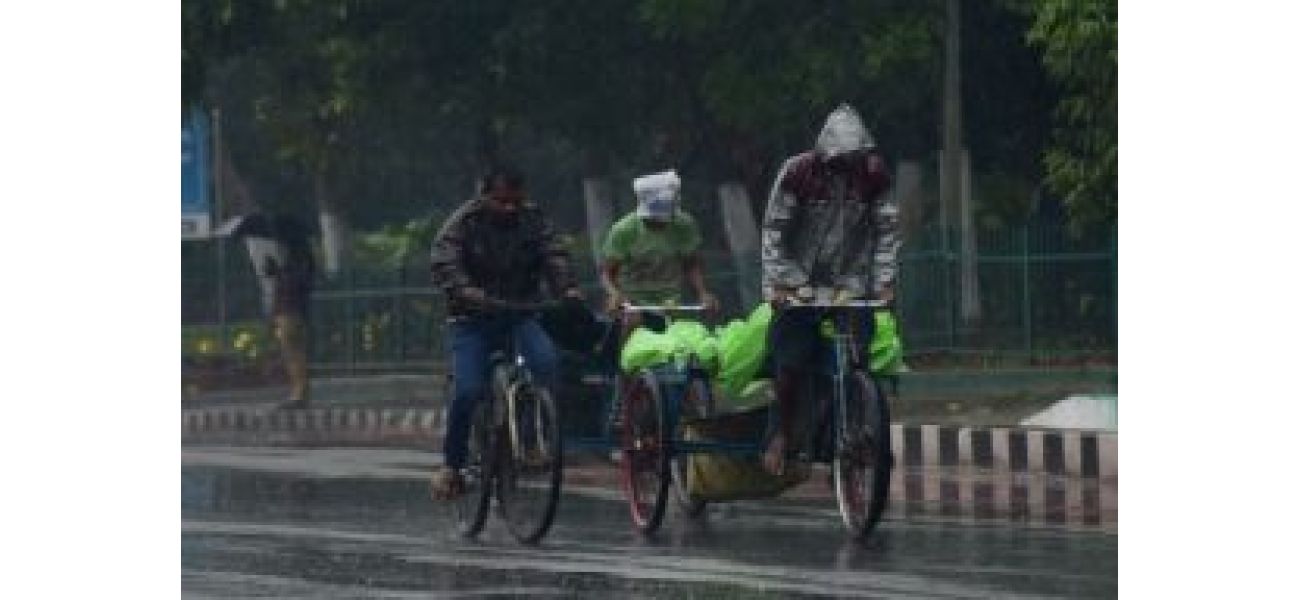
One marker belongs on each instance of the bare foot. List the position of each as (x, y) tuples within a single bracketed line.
[(446, 484), (774, 458)]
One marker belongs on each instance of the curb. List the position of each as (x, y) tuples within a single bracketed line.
[(1080, 454), (1084, 454), (318, 426)]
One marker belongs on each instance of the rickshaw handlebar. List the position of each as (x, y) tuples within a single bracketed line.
[(650, 308), (795, 303)]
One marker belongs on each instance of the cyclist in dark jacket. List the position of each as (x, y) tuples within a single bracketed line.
[(502, 247), (830, 224)]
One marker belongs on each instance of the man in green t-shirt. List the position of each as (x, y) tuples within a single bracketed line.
[(648, 252)]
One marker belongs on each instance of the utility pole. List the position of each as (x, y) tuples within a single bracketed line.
[(218, 203), (954, 170)]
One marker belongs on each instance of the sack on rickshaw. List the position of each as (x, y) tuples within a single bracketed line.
[(693, 338), (719, 476), (743, 351), (646, 348), (742, 347)]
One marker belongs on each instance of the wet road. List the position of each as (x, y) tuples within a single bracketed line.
[(352, 523)]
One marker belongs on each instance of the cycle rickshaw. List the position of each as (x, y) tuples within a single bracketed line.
[(845, 425)]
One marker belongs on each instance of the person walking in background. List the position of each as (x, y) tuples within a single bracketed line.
[(292, 274), (281, 251)]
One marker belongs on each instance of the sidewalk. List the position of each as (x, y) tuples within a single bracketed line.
[(1001, 398), (388, 391)]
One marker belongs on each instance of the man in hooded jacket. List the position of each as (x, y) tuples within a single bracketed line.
[(829, 225)]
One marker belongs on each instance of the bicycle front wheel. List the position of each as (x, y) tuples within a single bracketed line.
[(645, 463), (862, 463), (532, 466), (471, 507)]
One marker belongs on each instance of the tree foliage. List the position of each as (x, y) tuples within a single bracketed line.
[(1078, 40), (394, 103)]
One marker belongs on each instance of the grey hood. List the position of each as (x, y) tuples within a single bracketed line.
[(843, 132)]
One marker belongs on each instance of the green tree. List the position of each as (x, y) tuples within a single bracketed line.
[(1078, 40)]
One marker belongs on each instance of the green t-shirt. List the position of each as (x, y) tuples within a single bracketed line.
[(651, 260)]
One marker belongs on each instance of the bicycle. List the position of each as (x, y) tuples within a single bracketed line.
[(649, 424), (515, 451), (861, 460)]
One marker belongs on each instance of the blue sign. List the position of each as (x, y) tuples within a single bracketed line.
[(196, 205)]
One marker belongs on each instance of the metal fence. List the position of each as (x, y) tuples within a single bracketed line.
[(1042, 294)]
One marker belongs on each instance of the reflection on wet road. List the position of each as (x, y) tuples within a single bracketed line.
[(337, 524)]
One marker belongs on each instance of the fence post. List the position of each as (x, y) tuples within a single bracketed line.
[(349, 320), (401, 315), (949, 305), (219, 210), (1025, 304), (1114, 283)]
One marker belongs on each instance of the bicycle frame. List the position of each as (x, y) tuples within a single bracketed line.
[(845, 358), (505, 350), (518, 378)]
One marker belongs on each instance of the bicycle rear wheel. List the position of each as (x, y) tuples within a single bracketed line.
[(862, 463), (645, 463), (471, 507), (531, 467)]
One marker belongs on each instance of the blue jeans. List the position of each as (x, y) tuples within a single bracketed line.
[(472, 342)]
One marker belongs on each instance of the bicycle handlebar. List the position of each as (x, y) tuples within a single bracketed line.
[(796, 303), (650, 308)]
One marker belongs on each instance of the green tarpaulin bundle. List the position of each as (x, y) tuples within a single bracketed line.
[(734, 353), (886, 346), (743, 346), (646, 348)]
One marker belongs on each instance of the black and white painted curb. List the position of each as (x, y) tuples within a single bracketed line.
[(249, 426), (1067, 477), (1078, 454), (1072, 453)]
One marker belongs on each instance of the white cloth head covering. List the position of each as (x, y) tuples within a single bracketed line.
[(656, 194)]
